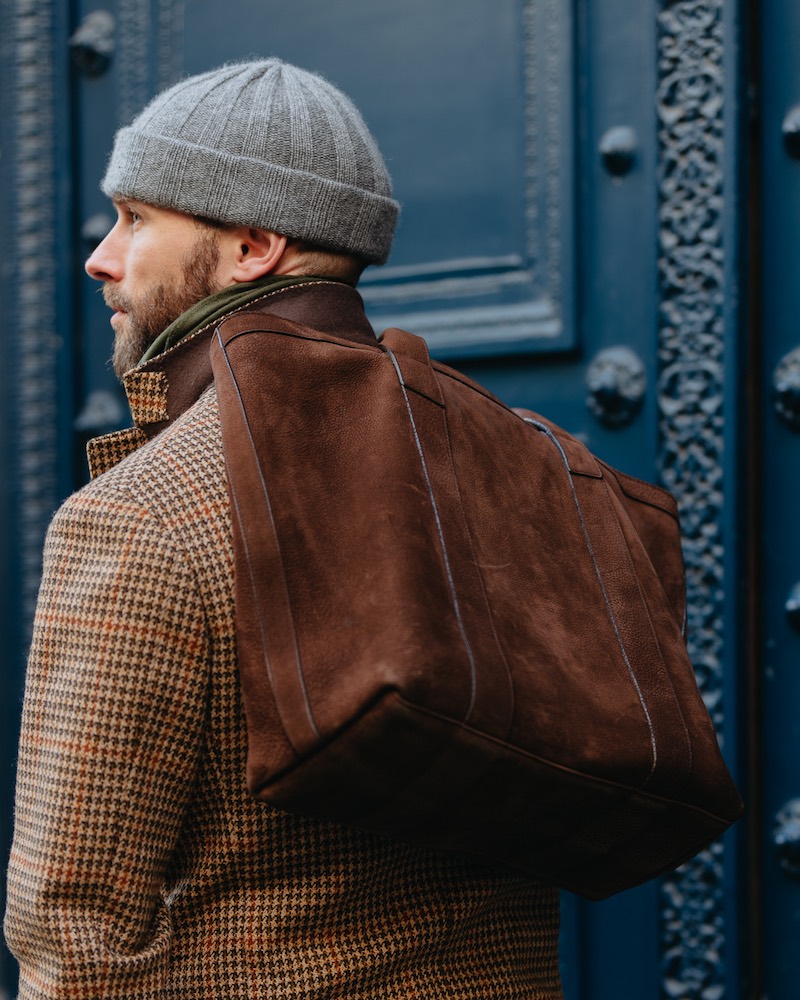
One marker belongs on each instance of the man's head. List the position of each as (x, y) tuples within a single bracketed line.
[(251, 169)]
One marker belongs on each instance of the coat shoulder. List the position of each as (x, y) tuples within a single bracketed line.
[(173, 489)]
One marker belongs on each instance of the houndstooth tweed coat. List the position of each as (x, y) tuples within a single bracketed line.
[(141, 867)]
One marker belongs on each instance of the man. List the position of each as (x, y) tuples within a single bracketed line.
[(141, 865)]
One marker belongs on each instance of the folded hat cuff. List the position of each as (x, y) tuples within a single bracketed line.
[(199, 180)]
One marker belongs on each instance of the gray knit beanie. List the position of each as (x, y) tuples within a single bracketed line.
[(261, 144)]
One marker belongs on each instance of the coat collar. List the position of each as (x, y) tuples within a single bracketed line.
[(161, 389)]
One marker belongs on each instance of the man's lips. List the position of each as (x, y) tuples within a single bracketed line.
[(118, 307)]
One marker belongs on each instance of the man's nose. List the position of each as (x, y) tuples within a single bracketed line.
[(106, 261)]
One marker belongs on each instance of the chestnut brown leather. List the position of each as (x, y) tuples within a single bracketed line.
[(455, 624)]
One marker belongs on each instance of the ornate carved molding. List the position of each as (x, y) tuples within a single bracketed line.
[(690, 394), (33, 346)]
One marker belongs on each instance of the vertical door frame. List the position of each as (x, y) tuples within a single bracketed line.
[(747, 389), (774, 444)]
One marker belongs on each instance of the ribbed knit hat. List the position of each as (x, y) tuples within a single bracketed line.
[(261, 144)]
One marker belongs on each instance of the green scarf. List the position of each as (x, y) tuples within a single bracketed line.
[(215, 306)]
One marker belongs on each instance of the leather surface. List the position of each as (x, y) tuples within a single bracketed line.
[(456, 625)]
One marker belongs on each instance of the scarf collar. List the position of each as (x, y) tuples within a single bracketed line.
[(214, 307)]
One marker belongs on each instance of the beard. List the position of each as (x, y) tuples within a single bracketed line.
[(150, 311)]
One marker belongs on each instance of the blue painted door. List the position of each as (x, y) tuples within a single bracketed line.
[(776, 352), (569, 237)]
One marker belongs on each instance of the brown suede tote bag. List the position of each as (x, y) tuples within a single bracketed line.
[(455, 625)]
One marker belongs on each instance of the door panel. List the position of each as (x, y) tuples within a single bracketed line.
[(778, 662)]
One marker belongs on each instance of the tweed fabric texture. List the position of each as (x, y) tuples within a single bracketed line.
[(141, 867), (261, 144), (105, 452), (146, 392)]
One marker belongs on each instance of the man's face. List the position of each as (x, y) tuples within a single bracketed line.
[(155, 263)]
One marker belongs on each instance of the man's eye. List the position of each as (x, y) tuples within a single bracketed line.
[(135, 217)]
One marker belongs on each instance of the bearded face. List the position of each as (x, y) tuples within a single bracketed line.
[(154, 264), (144, 311)]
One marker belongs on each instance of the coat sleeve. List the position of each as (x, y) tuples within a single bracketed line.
[(112, 724)]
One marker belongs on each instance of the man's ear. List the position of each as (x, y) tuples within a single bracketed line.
[(249, 254)]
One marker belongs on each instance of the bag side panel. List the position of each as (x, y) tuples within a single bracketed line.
[(332, 476), (576, 701)]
